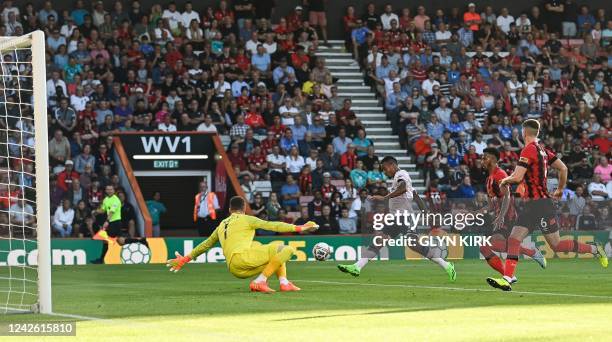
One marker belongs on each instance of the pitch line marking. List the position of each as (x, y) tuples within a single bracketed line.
[(81, 317), (467, 289)]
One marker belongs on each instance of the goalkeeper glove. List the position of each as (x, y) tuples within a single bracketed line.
[(177, 263), (307, 227)]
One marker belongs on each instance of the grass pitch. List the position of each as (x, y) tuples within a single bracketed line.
[(395, 300)]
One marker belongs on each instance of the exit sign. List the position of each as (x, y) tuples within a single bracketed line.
[(165, 164)]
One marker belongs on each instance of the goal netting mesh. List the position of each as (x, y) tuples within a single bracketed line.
[(21, 161)]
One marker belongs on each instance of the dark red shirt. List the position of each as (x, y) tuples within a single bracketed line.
[(535, 159), (495, 194)]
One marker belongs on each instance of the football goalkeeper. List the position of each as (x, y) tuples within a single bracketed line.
[(244, 260)]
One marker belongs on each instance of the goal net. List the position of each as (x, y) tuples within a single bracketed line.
[(25, 255)]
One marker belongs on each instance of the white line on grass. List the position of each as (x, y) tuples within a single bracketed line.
[(467, 289), (84, 318)]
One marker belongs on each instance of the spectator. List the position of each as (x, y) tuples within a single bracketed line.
[(205, 210), (346, 225), (63, 218), (290, 193), (597, 189), (156, 209)]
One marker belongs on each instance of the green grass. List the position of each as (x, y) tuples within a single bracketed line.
[(398, 300)]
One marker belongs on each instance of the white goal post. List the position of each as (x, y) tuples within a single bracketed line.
[(25, 278)]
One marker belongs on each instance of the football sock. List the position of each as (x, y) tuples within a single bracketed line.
[(282, 271), (277, 261), (493, 260), (443, 263), (366, 255), (261, 277), (527, 251), (496, 263), (514, 247), (574, 246), (283, 280)]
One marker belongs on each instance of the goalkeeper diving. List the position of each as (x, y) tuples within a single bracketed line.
[(245, 260)]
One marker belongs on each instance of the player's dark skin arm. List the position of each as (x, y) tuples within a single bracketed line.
[(401, 189), (499, 220), (419, 201)]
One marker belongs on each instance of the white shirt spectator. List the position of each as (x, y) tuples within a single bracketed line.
[(187, 17), (385, 19), (205, 128), (294, 165), (355, 207), (20, 215), (312, 163), (480, 146), (62, 217), (221, 88), (78, 102), (270, 48), (251, 46), (7, 10), (378, 58), (167, 127), (275, 159), (597, 187), (174, 18), (287, 120), (609, 189), (446, 35), (428, 85), (504, 23)]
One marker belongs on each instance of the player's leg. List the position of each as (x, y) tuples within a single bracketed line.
[(497, 240), (423, 250), (556, 244), (550, 229), (501, 246), (276, 257), (514, 246)]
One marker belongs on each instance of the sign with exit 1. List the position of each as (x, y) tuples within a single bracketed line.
[(165, 164)]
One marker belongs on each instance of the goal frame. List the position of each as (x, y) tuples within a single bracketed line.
[(36, 42)]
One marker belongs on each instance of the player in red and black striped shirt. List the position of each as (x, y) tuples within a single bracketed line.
[(539, 210), (502, 207)]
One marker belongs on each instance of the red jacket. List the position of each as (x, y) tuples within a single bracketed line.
[(64, 179)]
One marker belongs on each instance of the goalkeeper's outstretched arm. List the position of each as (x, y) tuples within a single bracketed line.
[(280, 227), (205, 245), (179, 261)]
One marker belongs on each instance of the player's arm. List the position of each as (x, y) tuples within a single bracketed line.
[(499, 220), (419, 201), (401, 189), (528, 156), (179, 261), (280, 227), (516, 176), (562, 168)]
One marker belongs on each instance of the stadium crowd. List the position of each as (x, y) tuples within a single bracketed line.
[(452, 83)]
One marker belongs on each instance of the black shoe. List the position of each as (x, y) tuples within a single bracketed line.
[(97, 261), (144, 241)]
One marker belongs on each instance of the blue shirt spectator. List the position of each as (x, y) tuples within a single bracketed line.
[(360, 34), (261, 61), (280, 73)]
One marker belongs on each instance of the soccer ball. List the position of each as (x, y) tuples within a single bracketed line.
[(438, 250), (321, 251), (135, 253)]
